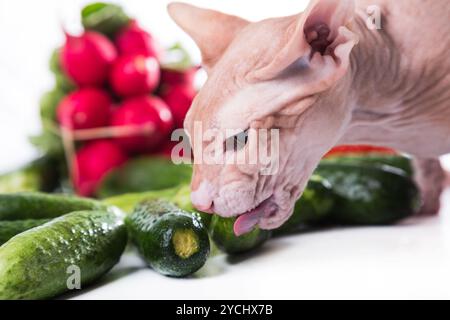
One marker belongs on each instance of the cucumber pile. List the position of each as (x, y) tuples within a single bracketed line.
[(357, 188), (45, 237), (369, 194)]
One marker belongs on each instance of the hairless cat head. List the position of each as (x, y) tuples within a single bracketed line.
[(273, 74)]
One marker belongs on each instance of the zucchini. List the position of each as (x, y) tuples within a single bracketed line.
[(9, 229), (172, 242), (222, 233), (34, 205), (38, 263), (313, 208), (369, 194)]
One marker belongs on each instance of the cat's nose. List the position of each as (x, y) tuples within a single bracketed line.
[(206, 209), (202, 197)]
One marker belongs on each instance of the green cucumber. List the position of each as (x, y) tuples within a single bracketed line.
[(38, 263), (172, 241), (397, 161), (39, 175), (369, 194), (144, 174), (34, 205), (221, 231), (182, 199), (9, 229), (25, 179), (313, 208), (128, 201), (180, 196)]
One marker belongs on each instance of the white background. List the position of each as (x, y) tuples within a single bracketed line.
[(408, 261)]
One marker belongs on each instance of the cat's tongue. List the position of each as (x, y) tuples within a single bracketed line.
[(246, 222)]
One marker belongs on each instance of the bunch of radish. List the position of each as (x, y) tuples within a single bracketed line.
[(114, 90)]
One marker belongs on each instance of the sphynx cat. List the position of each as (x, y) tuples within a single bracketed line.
[(321, 77)]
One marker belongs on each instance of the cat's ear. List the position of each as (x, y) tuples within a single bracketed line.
[(211, 30), (320, 38)]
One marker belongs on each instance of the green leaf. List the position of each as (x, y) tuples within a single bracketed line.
[(48, 143), (49, 103), (62, 81), (54, 63), (144, 174), (92, 9), (177, 58), (105, 18)]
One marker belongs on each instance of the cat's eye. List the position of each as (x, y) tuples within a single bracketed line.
[(236, 142)]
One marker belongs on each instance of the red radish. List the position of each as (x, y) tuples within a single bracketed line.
[(134, 40), (165, 116), (166, 149), (84, 109), (172, 77), (148, 114), (93, 162), (179, 99), (87, 59), (135, 75)]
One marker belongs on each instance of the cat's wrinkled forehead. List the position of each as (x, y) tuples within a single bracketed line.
[(250, 65), (203, 110), (230, 75)]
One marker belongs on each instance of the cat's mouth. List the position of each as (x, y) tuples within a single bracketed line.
[(246, 222)]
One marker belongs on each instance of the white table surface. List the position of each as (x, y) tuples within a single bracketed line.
[(411, 260)]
